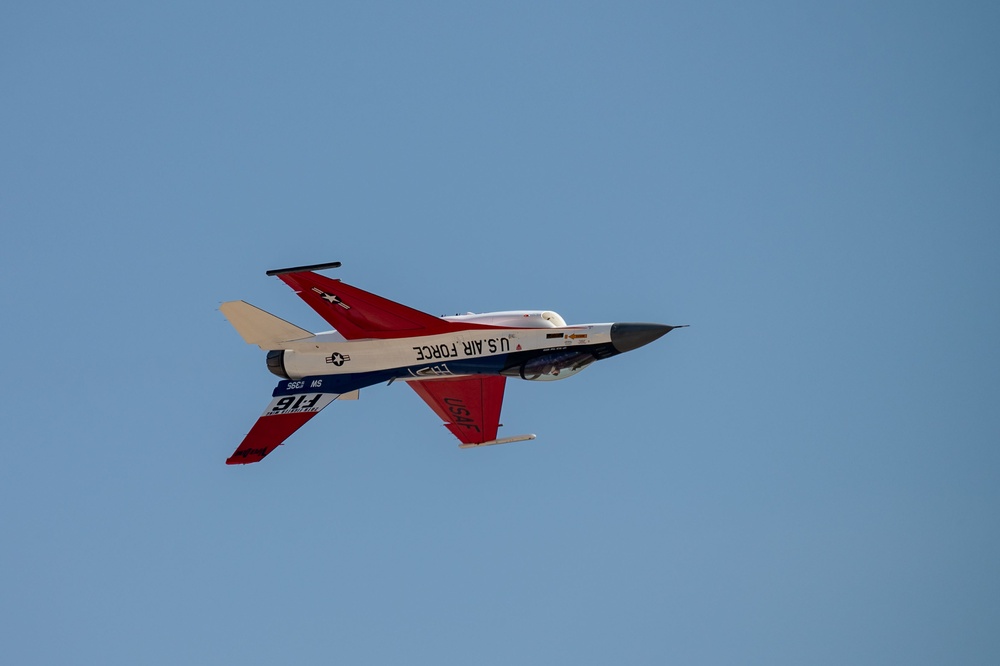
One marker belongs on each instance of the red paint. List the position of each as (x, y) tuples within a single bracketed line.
[(266, 435), (367, 315), (470, 407)]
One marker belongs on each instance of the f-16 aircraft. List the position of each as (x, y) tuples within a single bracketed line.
[(458, 365)]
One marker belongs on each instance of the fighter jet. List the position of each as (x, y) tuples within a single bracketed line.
[(458, 365)]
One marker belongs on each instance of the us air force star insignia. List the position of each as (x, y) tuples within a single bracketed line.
[(338, 359), (333, 299)]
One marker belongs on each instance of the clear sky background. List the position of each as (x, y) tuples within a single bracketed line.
[(809, 474)]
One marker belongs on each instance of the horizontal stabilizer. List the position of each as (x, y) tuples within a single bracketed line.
[(285, 414), (261, 328)]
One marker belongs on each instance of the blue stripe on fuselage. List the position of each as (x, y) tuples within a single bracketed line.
[(486, 365), (491, 365)]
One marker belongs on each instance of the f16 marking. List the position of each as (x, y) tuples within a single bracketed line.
[(298, 404)]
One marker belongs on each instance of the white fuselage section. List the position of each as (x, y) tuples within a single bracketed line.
[(329, 353)]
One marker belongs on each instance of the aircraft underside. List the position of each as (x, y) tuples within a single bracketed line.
[(457, 365)]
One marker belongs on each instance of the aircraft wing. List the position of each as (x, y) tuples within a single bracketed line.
[(358, 314), (293, 404), (469, 406)]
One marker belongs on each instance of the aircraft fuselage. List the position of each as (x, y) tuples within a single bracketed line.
[(458, 365), (532, 353)]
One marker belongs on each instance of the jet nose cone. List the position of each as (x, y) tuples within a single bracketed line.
[(626, 337)]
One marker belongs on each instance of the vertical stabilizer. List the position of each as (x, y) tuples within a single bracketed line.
[(260, 328)]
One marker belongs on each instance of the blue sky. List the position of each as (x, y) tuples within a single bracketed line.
[(808, 474)]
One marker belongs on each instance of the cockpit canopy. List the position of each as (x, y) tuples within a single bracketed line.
[(514, 319)]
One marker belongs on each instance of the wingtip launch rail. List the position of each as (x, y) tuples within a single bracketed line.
[(304, 269)]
